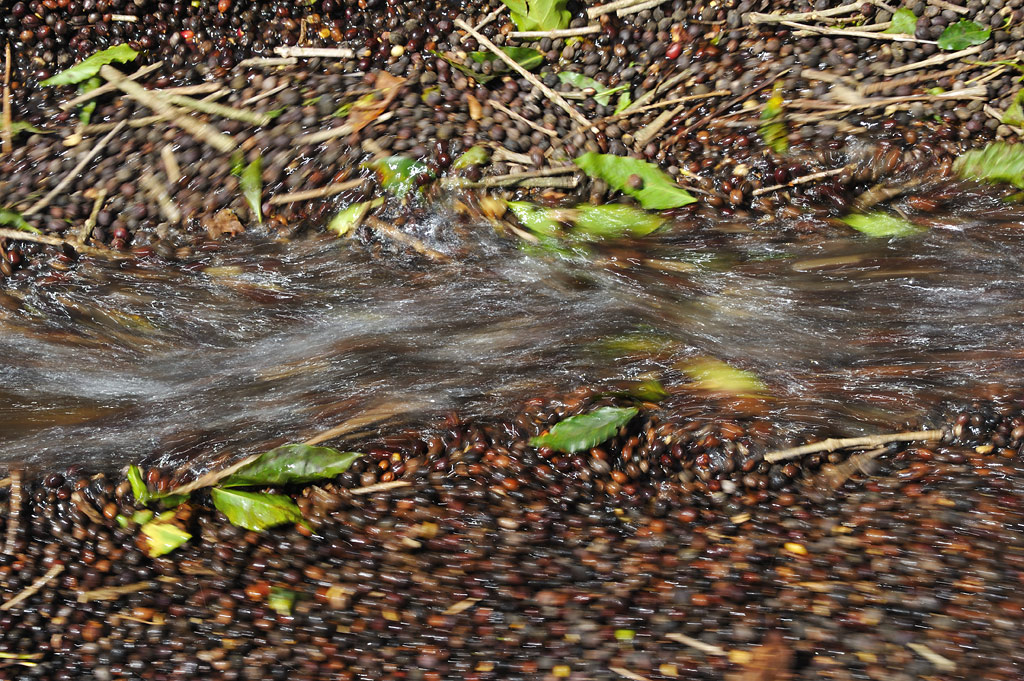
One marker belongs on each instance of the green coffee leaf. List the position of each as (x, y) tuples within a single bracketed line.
[(18, 127), (644, 181), (963, 34), (613, 221), (716, 376), (89, 67), (14, 219), (292, 464), (998, 162), (251, 181), (475, 155), (255, 511), (527, 57), (578, 433), (650, 390), (281, 600), (399, 175), (139, 488), (349, 218), (602, 94), (539, 15), (142, 517), (625, 99), (1014, 115), (903, 21), (881, 225), (537, 219), (163, 537), (85, 113), (773, 129)]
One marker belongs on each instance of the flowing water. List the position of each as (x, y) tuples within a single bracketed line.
[(265, 342)]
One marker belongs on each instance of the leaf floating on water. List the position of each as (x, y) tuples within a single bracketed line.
[(14, 219), (539, 15), (773, 129), (350, 218), (613, 221), (882, 225), (475, 155), (251, 181), (367, 109), (602, 94), (903, 21), (255, 511), (139, 488), (281, 600), (716, 376), (90, 66), (400, 175), (584, 431), (163, 537), (537, 219), (652, 187), (292, 464), (650, 391), (962, 35), (997, 162)]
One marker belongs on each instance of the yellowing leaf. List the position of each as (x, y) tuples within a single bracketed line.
[(163, 537), (716, 376), (881, 225)]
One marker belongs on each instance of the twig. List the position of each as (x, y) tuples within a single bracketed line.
[(633, 9), (112, 593), (201, 131), (569, 182), (163, 200), (462, 606), (13, 513), (329, 190), (380, 487), (594, 12), (559, 33), (938, 661), (130, 18), (651, 130), (7, 123), (695, 643), (340, 131), (35, 586), (83, 505), (626, 113), (309, 52), (883, 85), (832, 444), (18, 235), (267, 62), (902, 37), (90, 223), (800, 180), (516, 178), (251, 117), (213, 477), (71, 176), (519, 117), (632, 676), (933, 60), (664, 86), (491, 16), (833, 477), (264, 95), (171, 168), (760, 18), (514, 65), (106, 87), (412, 242), (950, 6)]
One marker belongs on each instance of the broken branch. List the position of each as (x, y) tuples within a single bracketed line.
[(833, 444)]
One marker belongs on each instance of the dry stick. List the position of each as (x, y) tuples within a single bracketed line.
[(329, 190), (933, 61), (13, 513), (171, 168), (902, 37), (760, 18), (570, 182), (515, 178), (105, 88), (90, 223), (519, 117), (268, 62), (695, 643), (412, 242), (309, 52), (938, 661), (70, 177), (163, 200), (130, 18), (558, 33), (34, 586), (83, 505), (950, 6), (884, 85), (491, 16), (514, 65), (201, 131), (639, 8), (594, 12), (380, 487), (112, 593), (664, 86), (17, 235), (832, 444), (213, 477), (214, 109), (800, 180), (651, 130), (668, 102), (625, 673), (7, 123), (264, 95)]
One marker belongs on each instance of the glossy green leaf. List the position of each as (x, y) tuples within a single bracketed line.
[(962, 35), (163, 537), (251, 182), (400, 175), (998, 162), (903, 21), (13, 219), (18, 127), (122, 520), (85, 112), (292, 464), (348, 218), (657, 190), (716, 376), (614, 221), (602, 94), (578, 433), (139, 488), (475, 155), (527, 57), (881, 225), (537, 219), (281, 600), (255, 511), (142, 517), (90, 66), (1014, 115), (539, 15), (625, 99)]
